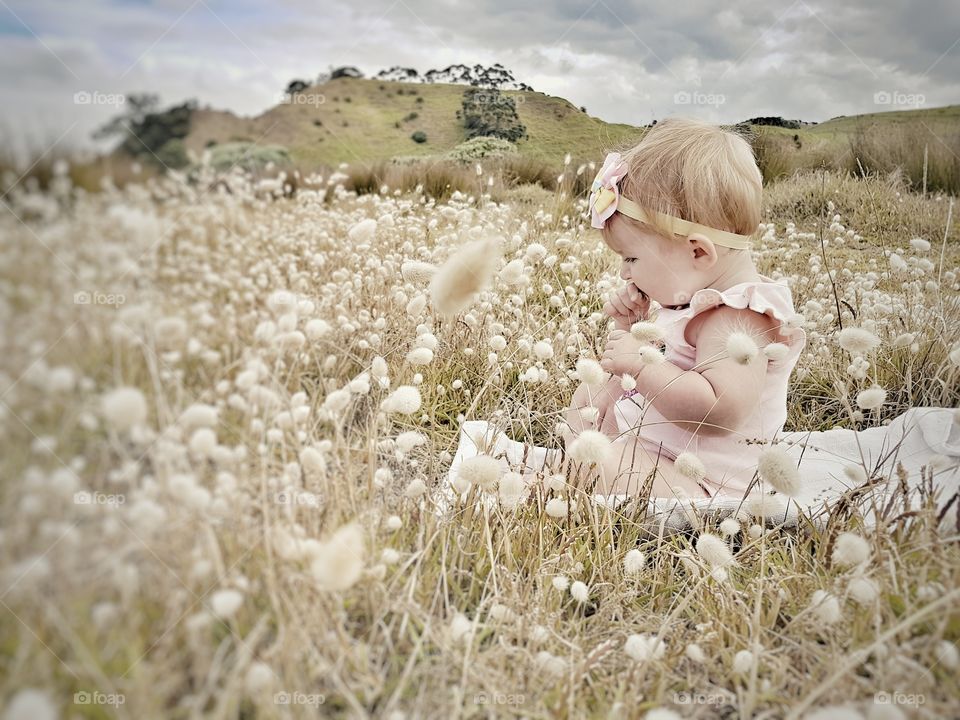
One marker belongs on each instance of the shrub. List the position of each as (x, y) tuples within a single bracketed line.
[(173, 154), (247, 156), (419, 136), (480, 147)]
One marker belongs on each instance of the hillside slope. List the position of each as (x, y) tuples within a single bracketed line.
[(357, 121)]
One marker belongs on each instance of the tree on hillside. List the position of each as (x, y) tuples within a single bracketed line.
[(775, 121), (157, 137), (296, 86), (345, 71), (488, 112), (135, 107)]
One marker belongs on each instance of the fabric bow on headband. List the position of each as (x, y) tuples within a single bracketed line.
[(605, 199)]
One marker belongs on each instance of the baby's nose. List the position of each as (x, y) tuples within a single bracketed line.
[(624, 273)]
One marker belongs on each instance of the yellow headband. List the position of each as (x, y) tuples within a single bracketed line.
[(678, 226)]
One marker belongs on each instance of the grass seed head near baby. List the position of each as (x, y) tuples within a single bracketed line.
[(679, 208)]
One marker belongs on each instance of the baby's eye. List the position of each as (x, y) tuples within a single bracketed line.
[(629, 259)]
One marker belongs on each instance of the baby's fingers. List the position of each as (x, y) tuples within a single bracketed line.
[(621, 306), (610, 310)]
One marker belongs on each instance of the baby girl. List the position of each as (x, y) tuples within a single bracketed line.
[(679, 209)]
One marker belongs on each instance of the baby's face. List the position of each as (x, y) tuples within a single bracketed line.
[(654, 265)]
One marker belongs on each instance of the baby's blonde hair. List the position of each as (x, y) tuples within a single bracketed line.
[(697, 172)]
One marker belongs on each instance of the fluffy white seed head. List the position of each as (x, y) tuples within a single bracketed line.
[(643, 647), (649, 355), (947, 655), (850, 549), (729, 527), (557, 507), (417, 272), (825, 607), (856, 474), (31, 704), (338, 560), (695, 653), (591, 447), (550, 664), (858, 341), (863, 590), (466, 273), (646, 332), (776, 351), (661, 714), (590, 372), (420, 356), (124, 408), (741, 347), (460, 627), (871, 398), (405, 400), (765, 506), (714, 550), (415, 488), (226, 603), (579, 591), (364, 231), (634, 561), (689, 465), (511, 489), (777, 469), (481, 470), (742, 662)]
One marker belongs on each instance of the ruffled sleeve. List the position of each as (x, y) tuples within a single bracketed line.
[(769, 298)]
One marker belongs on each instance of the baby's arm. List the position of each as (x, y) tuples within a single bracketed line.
[(715, 396)]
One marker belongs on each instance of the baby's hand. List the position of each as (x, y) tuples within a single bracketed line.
[(621, 354), (627, 306)]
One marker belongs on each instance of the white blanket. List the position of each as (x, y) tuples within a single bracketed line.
[(929, 453)]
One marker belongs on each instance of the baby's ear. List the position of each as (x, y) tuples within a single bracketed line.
[(703, 248)]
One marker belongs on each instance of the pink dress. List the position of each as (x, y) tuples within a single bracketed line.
[(730, 460)]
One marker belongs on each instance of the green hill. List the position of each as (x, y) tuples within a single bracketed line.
[(357, 121), (354, 120)]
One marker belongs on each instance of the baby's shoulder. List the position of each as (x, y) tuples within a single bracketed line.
[(722, 320)]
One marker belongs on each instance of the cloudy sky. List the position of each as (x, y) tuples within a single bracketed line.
[(626, 61)]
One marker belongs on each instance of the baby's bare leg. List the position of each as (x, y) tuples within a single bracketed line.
[(629, 468)]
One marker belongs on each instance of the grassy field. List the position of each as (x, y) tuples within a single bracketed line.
[(214, 505)]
